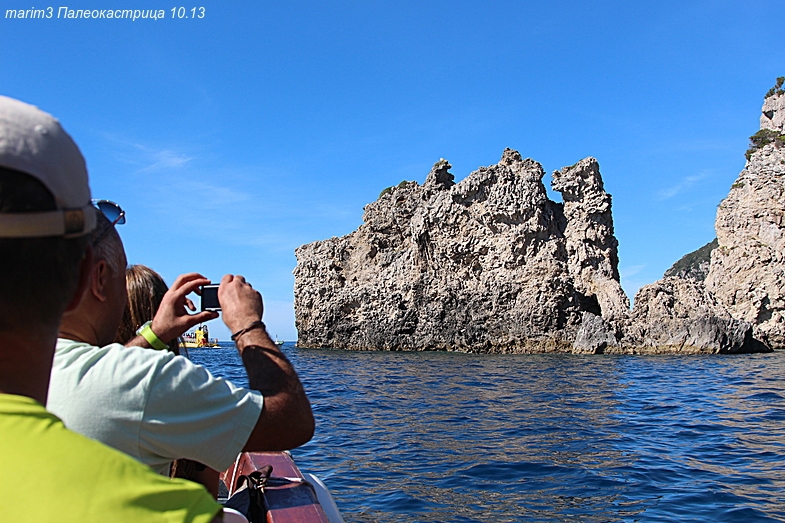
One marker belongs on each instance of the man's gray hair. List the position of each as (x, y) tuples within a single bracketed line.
[(110, 247)]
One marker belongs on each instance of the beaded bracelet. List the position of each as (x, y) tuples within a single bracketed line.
[(254, 325)]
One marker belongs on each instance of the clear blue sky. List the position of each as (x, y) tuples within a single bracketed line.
[(232, 139)]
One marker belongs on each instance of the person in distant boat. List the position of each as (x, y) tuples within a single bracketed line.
[(156, 406), (146, 289), (48, 472), (206, 334)]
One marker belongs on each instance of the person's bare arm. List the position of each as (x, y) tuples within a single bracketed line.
[(173, 318), (209, 478), (286, 420), (198, 473)]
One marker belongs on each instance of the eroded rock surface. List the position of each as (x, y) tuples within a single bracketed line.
[(488, 265), (729, 296), (747, 272), (773, 113), (592, 258), (678, 315), (492, 265)]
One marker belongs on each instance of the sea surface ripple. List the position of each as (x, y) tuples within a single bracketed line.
[(450, 437)]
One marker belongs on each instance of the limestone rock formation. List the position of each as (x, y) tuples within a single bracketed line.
[(490, 264), (596, 336), (729, 295), (747, 272), (672, 315), (592, 248), (678, 315), (487, 265), (773, 112)]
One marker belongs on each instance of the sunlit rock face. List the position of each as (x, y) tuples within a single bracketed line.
[(486, 265), (772, 114), (728, 296), (592, 249), (492, 265), (678, 315), (747, 271)]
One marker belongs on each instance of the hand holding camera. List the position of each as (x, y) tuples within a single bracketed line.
[(173, 317), (240, 303)]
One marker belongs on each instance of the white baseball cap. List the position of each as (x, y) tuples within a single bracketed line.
[(34, 143)]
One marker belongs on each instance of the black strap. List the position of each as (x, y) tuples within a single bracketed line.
[(249, 495)]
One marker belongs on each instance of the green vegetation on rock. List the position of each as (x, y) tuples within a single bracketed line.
[(777, 89), (763, 138), (388, 190), (694, 265)]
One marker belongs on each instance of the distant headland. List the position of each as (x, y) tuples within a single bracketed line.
[(492, 265)]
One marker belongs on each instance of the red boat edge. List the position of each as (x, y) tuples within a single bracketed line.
[(301, 499)]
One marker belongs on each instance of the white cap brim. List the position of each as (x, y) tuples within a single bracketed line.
[(70, 223)]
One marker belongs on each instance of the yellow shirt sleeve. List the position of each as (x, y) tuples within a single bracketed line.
[(49, 473)]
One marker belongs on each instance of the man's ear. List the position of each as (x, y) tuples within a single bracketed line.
[(85, 273), (101, 274)]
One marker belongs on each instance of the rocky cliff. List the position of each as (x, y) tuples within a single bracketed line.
[(489, 264), (747, 272), (492, 265), (678, 315), (731, 292)]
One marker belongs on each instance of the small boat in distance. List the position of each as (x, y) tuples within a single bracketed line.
[(277, 341), (199, 338)]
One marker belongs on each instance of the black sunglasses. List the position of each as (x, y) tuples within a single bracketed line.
[(113, 213)]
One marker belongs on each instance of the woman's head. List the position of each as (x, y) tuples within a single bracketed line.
[(146, 289)]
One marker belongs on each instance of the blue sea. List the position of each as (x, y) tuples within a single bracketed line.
[(450, 437)]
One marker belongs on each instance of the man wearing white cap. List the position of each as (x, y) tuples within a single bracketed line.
[(48, 472)]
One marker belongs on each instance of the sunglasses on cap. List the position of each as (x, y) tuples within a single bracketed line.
[(112, 212)]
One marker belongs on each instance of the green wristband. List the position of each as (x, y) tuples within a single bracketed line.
[(146, 332)]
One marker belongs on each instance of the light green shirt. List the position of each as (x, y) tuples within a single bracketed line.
[(150, 404), (50, 474)]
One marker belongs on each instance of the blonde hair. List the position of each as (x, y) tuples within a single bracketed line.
[(146, 289)]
